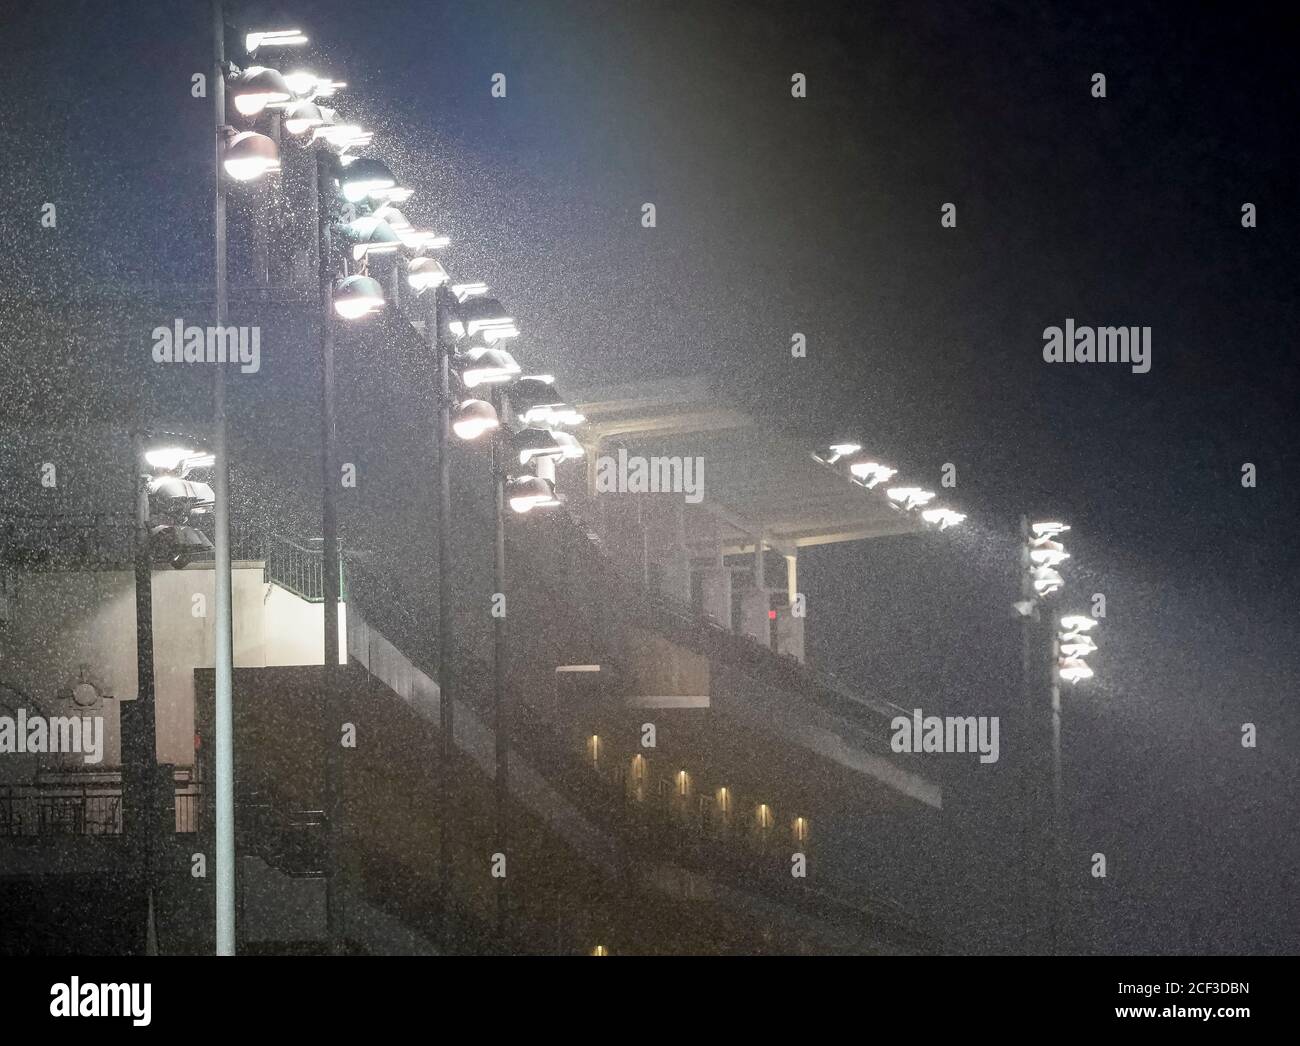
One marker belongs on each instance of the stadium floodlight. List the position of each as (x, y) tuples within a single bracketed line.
[(908, 498), (249, 155), (1075, 644), (303, 117), (273, 38), (1073, 669), (484, 366), (833, 453), (369, 235), (1078, 623), (258, 88), (471, 418), (1048, 529), (358, 296), (465, 291), (363, 177), (525, 493), (871, 473), (1046, 581), (943, 517)]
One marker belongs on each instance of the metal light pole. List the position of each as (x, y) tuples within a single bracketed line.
[(223, 649), (144, 655), (446, 650), (500, 698), (1029, 617), (1054, 650), (334, 906)]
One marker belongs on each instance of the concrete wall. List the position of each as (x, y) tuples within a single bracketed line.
[(61, 621)]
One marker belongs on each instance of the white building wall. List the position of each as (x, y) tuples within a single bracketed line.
[(60, 621)]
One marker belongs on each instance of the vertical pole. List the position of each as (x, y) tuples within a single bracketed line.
[(334, 914), (1057, 825), (224, 759), (145, 667), (1030, 762), (446, 638), (500, 699)]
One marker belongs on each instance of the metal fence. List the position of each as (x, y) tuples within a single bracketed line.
[(73, 803)]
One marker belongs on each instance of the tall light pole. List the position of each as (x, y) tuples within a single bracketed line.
[(223, 648), (500, 696)]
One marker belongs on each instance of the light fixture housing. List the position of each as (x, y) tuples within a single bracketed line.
[(471, 418), (249, 155), (358, 296), (1078, 623), (479, 315), (370, 235), (485, 366), (942, 517), (423, 273), (525, 493), (909, 497), (364, 176), (257, 88), (534, 443), (303, 117), (833, 453)]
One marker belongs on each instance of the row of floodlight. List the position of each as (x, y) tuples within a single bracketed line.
[(863, 469), (477, 323)]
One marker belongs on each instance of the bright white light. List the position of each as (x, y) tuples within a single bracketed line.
[(356, 191), (910, 497), (274, 38), (489, 367), (473, 423), (248, 157), (1080, 647), (496, 332), (945, 517), (301, 83), (839, 450), (1048, 530), (355, 308), (1073, 669), (465, 291), (423, 273), (416, 241), (872, 473), (552, 417), (167, 458), (1049, 557), (1078, 623)]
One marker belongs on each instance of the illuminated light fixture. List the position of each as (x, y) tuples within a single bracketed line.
[(273, 38), (308, 86), (342, 137), (909, 497), (534, 397), (600, 949), (250, 155), (395, 218), (471, 418), (944, 517), (1073, 669), (170, 458), (178, 496), (370, 235), (303, 117), (365, 175), (830, 455), (1046, 580), (465, 291), (178, 544), (479, 314), (258, 87), (871, 473), (1077, 645), (391, 194), (1048, 530), (526, 493), (481, 366), (423, 273), (1078, 623), (543, 443), (357, 296), (1046, 552), (420, 240)]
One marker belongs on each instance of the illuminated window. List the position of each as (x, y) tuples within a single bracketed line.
[(593, 748), (638, 767), (724, 801), (801, 829), (683, 783), (600, 949), (764, 816)]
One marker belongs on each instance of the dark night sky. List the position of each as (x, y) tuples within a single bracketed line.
[(822, 216)]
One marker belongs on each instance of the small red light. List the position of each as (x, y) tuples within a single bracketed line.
[(771, 615)]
